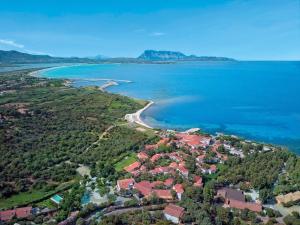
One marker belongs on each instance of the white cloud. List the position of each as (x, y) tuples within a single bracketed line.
[(157, 34), (11, 43)]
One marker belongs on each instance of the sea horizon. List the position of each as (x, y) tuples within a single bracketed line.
[(174, 96)]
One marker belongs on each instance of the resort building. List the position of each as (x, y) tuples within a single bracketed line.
[(178, 188), (236, 199), (132, 167), (198, 181), (173, 213), (19, 213), (142, 156), (192, 140), (125, 184)]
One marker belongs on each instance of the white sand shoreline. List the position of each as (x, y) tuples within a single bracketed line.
[(131, 118), (136, 117)]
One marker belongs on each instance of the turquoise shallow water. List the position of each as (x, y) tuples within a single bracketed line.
[(256, 100)]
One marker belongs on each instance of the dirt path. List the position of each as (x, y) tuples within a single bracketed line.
[(100, 138)]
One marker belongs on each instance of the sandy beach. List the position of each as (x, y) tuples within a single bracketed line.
[(136, 117), (108, 84)]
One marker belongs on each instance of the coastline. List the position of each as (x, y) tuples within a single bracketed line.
[(136, 117), (131, 118)]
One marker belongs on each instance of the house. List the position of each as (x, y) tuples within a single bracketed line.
[(198, 181), (290, 197), (212, 169), (19, 213), (236, 199), (168, 182), (144, 188), (183, 171), (160, 169), (150, 147), (174, 156), (178, 188), (156, 183), (163, 141), (163, 194), (142, 156), (125, 184), (173, 165), (173, 213), (156, 157), (132, 167), (200, 158), (192, 140)]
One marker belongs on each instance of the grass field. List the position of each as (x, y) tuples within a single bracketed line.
[(125, 161), (24, 198)]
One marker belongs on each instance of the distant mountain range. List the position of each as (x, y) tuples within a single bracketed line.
[(20, 57), (153, 55), (149, 56)]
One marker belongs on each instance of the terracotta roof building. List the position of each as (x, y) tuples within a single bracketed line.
[(236, 199), (18, 213), (125, 184), (168, 182), (178, 188), (142, 156), (198, 181), (163, 194), (132, 167), (173, 213)]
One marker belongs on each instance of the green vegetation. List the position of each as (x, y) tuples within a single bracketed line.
[(32, 196), (47, 128), (131, 158)]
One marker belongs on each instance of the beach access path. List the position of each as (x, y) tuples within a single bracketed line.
[(136, 117)]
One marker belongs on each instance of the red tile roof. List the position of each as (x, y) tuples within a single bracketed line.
[(178, 188), (125, 184), (163, 194), (132, 167), (198, 181), (213, 168), (19, 213), (184, 171), (144, 187), (156, 157), (160, 169), (173, 165), (156, 183), (169, 181), (174, 210), (163, 141), (193, 140), (150, 147), (245, 205), (142, 156)]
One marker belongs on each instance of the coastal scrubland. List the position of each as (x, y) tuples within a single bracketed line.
[(46, 128)]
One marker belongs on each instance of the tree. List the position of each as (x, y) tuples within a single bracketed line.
[(208, 192)]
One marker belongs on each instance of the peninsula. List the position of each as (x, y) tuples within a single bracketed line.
[(96, 165)]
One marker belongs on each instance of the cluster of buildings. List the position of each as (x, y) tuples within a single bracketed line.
[(18, 213), (205, 152)]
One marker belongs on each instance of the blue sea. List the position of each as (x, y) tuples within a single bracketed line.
[(255, 100)]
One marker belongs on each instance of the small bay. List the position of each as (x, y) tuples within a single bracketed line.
[(257, 100)]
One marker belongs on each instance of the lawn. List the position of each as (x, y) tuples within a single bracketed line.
[(25, 198), (126, 161)]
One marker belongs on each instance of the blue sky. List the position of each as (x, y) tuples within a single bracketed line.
[(248, 29)]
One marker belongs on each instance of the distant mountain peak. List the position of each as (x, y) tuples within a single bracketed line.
[(154, 55)]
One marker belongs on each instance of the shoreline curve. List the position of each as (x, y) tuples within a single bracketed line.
[(131, 118), (136, 117)]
